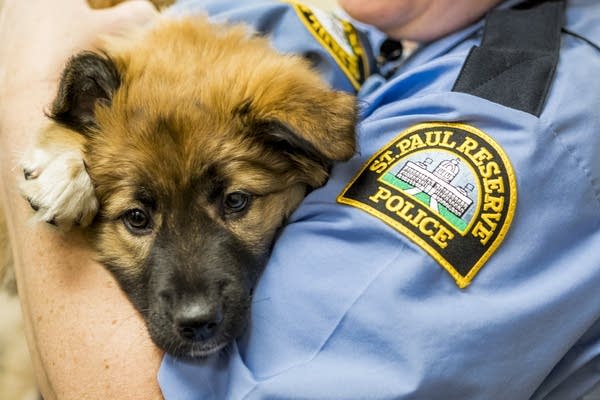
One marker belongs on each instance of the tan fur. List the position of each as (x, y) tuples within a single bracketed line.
[(200, 126), (188, 98)]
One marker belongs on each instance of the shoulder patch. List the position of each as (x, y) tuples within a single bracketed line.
[(448, 187), (339, 38)]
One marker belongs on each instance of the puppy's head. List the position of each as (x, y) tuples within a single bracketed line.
[(201, 142)]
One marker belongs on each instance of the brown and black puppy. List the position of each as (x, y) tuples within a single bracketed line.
[(186, 147)]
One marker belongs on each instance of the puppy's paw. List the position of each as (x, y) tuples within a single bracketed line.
[(58, 187)]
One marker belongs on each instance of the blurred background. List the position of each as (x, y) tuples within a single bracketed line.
[(328, 4)]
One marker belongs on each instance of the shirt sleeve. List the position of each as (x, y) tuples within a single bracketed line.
[(350, 307), (376, 288)]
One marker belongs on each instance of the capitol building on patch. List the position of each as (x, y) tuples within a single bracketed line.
[(438, 184)]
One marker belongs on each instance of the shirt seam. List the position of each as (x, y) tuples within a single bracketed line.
[(578, 160)]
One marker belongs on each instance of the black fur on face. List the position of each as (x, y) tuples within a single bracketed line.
[(195, 291), (189, 276)]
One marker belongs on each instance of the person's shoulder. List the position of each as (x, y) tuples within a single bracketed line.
[(582, 22), (575, 86), (580, 48)]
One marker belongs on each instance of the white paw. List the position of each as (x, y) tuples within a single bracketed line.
[(58, 188)]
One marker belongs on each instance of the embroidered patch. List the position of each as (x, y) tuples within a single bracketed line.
[(448, 187), (340, 39)]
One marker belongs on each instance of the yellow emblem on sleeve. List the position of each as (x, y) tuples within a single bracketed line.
[(448, 187)]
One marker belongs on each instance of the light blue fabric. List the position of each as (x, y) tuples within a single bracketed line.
[(280, 22), (350, 308)]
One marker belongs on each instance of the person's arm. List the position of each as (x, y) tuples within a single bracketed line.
[(86, 340)]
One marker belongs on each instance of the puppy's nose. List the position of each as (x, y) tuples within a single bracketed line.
[(198, 323)]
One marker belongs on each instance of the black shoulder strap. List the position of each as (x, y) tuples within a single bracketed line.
[(514, 66)]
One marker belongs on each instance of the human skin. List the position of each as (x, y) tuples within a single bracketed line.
[(86, 340), (417, 20)]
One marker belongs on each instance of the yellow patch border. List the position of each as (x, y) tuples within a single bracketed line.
[(356, 47), (461, 281)]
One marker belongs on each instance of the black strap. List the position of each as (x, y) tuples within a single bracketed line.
[(515, 64), (390, 50)]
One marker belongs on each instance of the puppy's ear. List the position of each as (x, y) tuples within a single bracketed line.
[(326, 121), (88, 79), (314, 131)]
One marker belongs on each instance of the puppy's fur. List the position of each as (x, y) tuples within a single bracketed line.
[(186, 147)]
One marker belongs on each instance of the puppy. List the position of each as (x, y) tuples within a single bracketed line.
[(184, 148)]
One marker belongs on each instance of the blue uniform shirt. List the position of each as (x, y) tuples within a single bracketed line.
[(456, 256), (339, 51)]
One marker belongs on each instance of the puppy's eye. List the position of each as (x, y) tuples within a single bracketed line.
[(137, 221), (236, 202)]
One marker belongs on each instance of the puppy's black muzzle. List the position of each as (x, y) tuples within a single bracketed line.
[(200, 283), (197, 321)]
